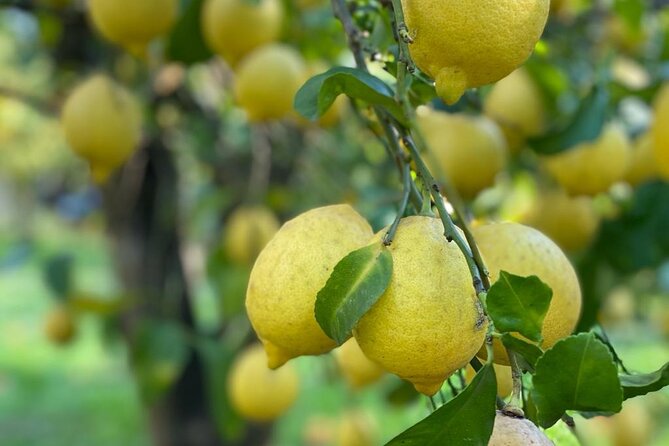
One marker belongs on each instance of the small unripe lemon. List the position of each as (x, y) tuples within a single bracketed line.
[(247, 231), (59, 326), (428, 323), (660, 130), (524, 251), (133, 23), (511, 431), (517, 105), (592, 167), (571, 222), (258, 392), (469, 150), (290, 272), (463, 44), (642, 166), (234, 28), (102, 123), (503, 375), (267, 80), (358, 370)]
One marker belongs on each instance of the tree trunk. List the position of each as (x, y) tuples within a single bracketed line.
[(142, 211)]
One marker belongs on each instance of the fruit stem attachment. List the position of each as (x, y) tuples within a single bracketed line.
[(406, 178), (515, 404)]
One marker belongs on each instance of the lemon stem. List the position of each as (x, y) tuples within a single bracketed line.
[(516, 402), (406, 177)]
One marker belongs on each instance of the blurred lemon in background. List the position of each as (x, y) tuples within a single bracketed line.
[(102, 121), (468, 150), (503, 375), (643, 165), (660, 130), (247, 231), (258, 392), (59, 325), (234, 28), (357, 428), (358, 370)]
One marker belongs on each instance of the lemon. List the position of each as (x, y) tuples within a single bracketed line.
[(571, 222), (503, 376), (464, 44), (469, 150), (290, 272), (267, 80), (132, 23), (524, 251), (234, 28), (517, 105), (512, 431), (247, 231), (427, 324), (59, 326), (633, 426), (660, 130), (357, 428), (102, 123), (642, 165), (592, 167), (258, 392), (618, 307), (358, 370)]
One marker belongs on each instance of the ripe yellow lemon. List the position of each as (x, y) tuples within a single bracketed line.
[(660, 130), (234, 28), (503, 376), (132, 23), (267, 80), (428, 323), (469, 150), (358, 370), (571, 222), (59, 326), (592, 167), (524, 251), (642, 166), (357, 428), (517, 105), (247, 231), (290, 272), (464, 44), (102, 122), (512, 431), (258, 392)]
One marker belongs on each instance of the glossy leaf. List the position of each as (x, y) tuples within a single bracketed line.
[(641, 384), (519, 304), (585, 125), (317, 95), (577, 373), (356, 283), (466, 420)]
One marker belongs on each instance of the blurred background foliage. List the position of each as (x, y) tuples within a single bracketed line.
[(59, 244)]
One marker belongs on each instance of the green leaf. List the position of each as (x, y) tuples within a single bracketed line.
[(218, 358), (158, 354), (585, 125), (317, 95), (186, 43), (58, 273), (466, 420), (356, 283), (637, 385), (530, 353), (577, 373), (519, 304)]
